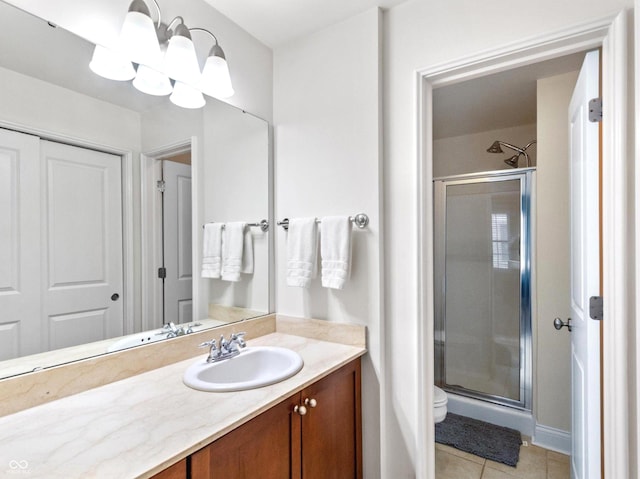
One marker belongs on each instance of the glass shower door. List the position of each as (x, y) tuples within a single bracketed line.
[(483, 307)]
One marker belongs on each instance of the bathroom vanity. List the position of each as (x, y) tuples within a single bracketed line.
[(315, 433), (152, 425)]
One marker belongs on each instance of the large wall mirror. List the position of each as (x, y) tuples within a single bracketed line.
[(104, 193)]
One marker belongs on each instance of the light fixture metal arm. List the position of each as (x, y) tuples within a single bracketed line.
[(159, 13), (199, 29), (178, 18)]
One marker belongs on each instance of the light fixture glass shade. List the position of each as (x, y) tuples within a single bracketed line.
[(186, 96), (180, 61), (152, 82), (216, 81), (138, 39), (111, 64)]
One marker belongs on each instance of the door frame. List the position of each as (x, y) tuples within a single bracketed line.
[(151, 227), (610, 34), (128, 250)]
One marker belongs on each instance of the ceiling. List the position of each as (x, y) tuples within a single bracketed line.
[(495, 101), (278, 21)]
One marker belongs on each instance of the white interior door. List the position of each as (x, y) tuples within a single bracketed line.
[(585, 274), (82, 245), (19, 239), (178, 303)]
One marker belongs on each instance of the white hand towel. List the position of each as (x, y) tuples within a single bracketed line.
[(232, 247), (247, 252), (302, 251), (335, 250), (212, 250)]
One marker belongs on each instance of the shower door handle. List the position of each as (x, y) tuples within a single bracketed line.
[(559, 324)]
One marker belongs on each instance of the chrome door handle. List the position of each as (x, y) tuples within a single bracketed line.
[(559, 324)]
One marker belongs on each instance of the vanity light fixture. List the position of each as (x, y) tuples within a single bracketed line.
[(152, 82), (215, 80), (180, 61), (186, 96), (163, 63), (110, 64), (138, 39)]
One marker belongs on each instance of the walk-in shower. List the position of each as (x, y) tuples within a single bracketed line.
[(483, 286)]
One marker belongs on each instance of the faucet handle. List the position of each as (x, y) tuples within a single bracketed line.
[(213, 351), (238, 338)]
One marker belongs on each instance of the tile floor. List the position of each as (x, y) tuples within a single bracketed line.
[(535, 463)]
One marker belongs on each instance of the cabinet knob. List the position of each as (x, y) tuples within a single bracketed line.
[(310, 402), (300, 410)]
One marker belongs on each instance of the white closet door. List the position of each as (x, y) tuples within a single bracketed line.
[(19, 243), (82, 231), (176, 206)]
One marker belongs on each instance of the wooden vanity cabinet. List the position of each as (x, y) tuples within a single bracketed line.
[(177, 471), (323, 442)]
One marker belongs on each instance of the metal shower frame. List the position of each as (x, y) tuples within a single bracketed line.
[(526, 178)]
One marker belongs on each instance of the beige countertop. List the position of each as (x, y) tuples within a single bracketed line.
[(138, 426)]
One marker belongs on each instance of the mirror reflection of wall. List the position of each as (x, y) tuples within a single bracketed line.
[(59, 232)]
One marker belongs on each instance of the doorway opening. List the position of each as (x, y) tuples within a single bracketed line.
[(176, 272), (497, 354), (166, 230), (610, 33)]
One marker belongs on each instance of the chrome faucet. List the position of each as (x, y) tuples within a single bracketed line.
[(227, 348), (172, 331)]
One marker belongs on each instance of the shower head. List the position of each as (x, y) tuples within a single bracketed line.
[(497, 145), (495, 148), (513, 161)]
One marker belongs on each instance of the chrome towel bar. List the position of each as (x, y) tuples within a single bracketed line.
[(262, 224), (361, 220)]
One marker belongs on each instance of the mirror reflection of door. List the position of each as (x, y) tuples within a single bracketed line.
[(176, 239), (61, 281)]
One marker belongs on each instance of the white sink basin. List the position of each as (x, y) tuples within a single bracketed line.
[(136, 340), (254, 367)]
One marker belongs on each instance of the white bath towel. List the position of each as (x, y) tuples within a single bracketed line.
[(302, 251), (212, 250), (247, 252), (232, 249), (335, 250)]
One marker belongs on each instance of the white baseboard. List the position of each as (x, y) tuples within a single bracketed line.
[(552, 438)]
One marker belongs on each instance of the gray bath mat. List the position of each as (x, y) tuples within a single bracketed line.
[(500, 444)]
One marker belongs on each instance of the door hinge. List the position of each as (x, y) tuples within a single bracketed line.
[(162, 273), (595, 110), (160, 184), (595, 308)]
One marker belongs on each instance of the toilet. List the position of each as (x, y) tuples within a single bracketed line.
[(439, 404)]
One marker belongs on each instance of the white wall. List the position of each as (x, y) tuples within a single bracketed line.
[(327, 146), (417, 35), (44, 106), (458, 155), (552, 391)]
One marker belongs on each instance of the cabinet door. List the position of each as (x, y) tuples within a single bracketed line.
[(331, 430), (267, 447), (177, 471)]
